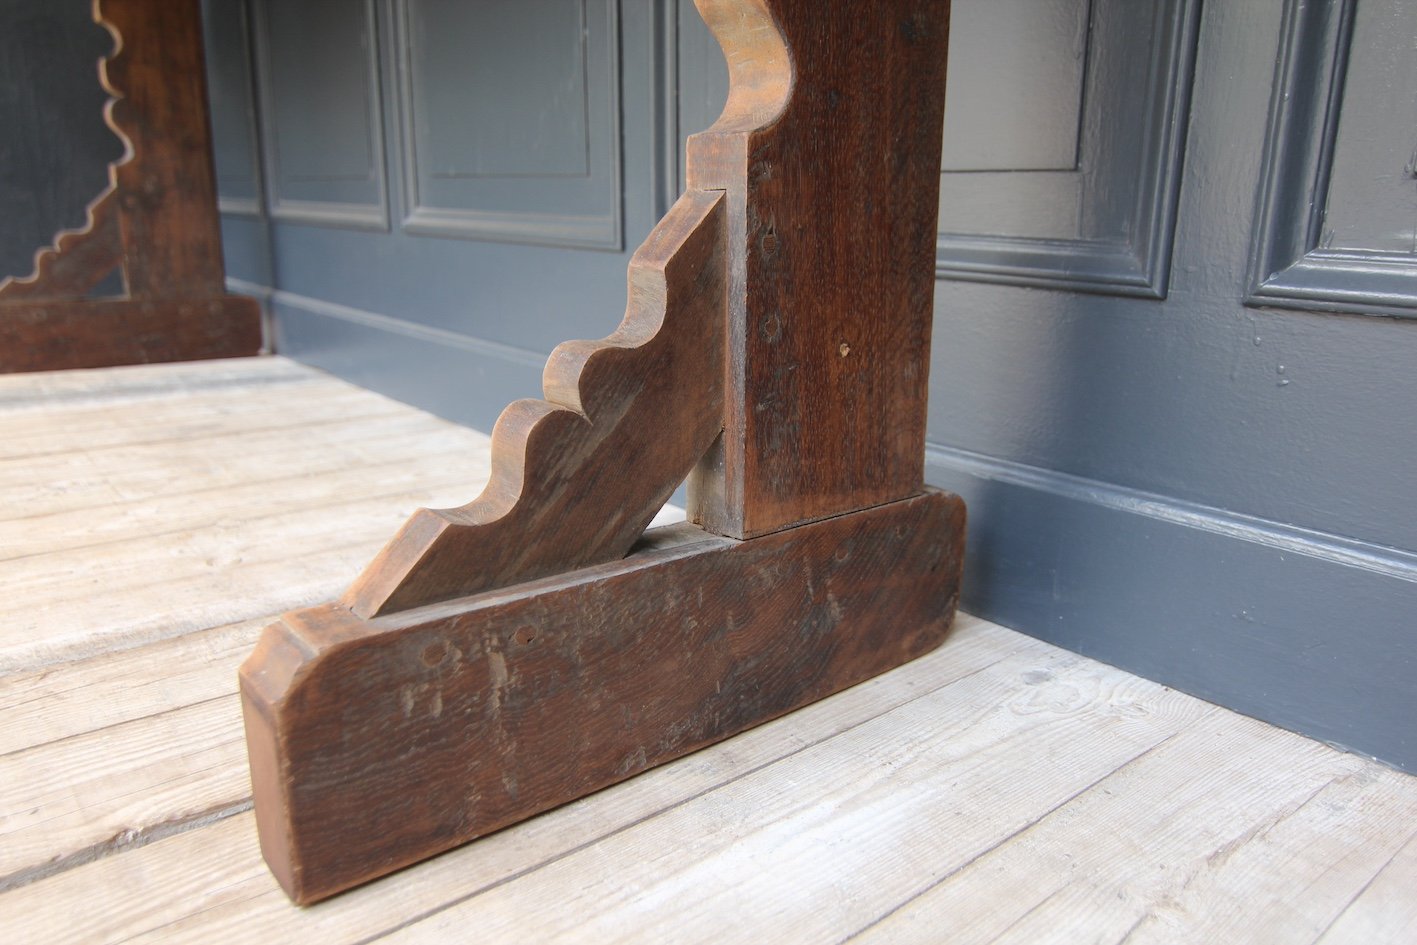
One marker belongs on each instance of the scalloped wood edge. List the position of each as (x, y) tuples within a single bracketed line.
[(577, 477), (78, 258), (156, 223)]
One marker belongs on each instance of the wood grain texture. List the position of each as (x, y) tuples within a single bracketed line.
[(88, 333), (1184, 824), (167, 190), (375, 744), (157, 221), (829, 151), (577, 477)]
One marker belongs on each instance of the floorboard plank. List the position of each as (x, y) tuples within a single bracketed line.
[(51, 391), (106, 789), (1292, 878), (1384, 912), (146, 590), (1121, 853), (337, 475), (88, 478), (43, 435), (69, 699)]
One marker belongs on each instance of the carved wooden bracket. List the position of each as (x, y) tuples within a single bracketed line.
[(157, 221), (561, 495), (506, 657)]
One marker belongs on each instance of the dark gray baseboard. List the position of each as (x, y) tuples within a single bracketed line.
[(459, 377), (1311, 632)]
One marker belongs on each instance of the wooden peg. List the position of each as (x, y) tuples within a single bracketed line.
[(506, 657)]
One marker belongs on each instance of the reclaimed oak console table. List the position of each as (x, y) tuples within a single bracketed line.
[(505, 657)]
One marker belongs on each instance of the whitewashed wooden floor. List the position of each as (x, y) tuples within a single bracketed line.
[(997, 790)]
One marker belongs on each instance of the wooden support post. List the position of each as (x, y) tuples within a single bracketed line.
[(829, 153), (503, 658)]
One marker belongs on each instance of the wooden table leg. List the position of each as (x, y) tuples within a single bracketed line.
[(156, 223), (506, 657)]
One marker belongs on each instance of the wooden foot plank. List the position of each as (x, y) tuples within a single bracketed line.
[(465, 657), (869, 816), (330, 476), (87, 333), (375, 744), (1118, 856), (152, 887)]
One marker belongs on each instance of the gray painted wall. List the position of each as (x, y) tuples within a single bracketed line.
[(1173, 374)]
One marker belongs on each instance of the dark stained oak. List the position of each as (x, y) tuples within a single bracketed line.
[(54, 336), (505, 657), (577, 477), (829, 151), (375, 744), (157, 222)]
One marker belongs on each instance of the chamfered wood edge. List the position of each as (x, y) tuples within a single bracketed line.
[(348, 788), (266, 675)]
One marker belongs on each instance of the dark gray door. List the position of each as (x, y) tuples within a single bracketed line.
[(1174, 370)]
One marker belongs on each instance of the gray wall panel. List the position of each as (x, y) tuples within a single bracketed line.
[(1372, 195), (511, 120), (1295, 417), (465, 380), (1105, 225), (1313, 635), (527, 297), (1337, 219), (232, 95), (1031, 53), (322, 124), (246, 249)]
